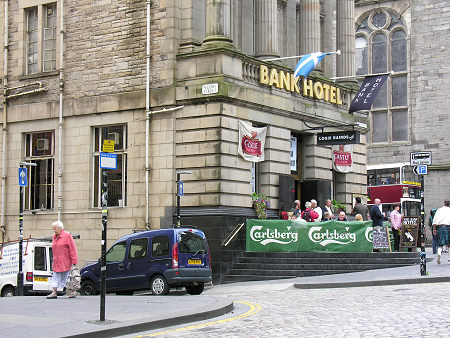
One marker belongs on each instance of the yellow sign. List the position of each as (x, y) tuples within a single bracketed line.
[(287, 81), (108, 146)]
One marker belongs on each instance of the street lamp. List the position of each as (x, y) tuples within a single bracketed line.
[(180, 192), (23, 182)]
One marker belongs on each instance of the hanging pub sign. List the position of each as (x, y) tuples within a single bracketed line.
[(251, 142), (342, 158), (339, 137)]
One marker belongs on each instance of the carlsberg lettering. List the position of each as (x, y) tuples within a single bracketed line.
[(331, 236), (267, 236)]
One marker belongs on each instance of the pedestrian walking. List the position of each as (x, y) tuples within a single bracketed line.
[(441, 228), (65, 257), (430, 224), (396, 226), (375, 214)]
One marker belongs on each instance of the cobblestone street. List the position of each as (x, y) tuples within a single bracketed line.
[(420, 310)]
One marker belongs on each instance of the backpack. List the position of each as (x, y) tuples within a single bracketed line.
[(307, 215)]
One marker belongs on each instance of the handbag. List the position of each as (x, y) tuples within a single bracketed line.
[(74, 279)]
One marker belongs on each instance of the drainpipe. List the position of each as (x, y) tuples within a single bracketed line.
[(147, 121), (61, 101), (4, 130)]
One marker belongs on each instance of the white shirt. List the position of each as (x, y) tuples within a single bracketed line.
[(319, 211), (442, 216)]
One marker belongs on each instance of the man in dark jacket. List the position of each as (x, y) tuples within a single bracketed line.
[(360, 208), (376, 215)]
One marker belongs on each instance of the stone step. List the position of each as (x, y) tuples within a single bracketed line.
[(300, 266), (331, 254), (324, 260)]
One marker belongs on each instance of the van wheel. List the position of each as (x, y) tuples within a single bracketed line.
[(8, 291), (195, 289), (88, 288), (159, 285)]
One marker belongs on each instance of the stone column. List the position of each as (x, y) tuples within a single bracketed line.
[(266, 42), (310, 26), (218, 21), (345, 40)]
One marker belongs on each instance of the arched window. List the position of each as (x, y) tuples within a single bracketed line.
[(381, 46)]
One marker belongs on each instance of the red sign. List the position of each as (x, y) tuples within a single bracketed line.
[(251, 146)]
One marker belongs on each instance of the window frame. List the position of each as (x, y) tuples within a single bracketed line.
[(132, 243), (368, 33), (41, 19), (34, 158), (97, 171)]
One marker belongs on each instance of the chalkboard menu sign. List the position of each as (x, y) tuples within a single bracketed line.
[(380, 238), (410, 232)]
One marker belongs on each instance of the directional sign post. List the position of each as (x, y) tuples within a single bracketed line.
[(23, 177), (23, 182), (421, 160)]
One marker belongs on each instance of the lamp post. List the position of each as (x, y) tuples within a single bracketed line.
[(180, 192), (23, 182)]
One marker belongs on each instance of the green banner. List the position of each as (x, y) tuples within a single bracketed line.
[(294, 236)]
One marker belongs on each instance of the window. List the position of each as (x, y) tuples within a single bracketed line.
[(40, 258), (138, 248), (381, 46), (192, 243), (160, 246), (117, 252), (117, 178), (41, 32), (39, 149)]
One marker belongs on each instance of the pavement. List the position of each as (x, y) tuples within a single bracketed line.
[(29, 316)]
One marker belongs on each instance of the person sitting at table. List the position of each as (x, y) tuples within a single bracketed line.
[(342, 217), (359, 218), (327, 217), (309, 215)]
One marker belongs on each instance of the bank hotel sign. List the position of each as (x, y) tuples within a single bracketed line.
[(284, 80)]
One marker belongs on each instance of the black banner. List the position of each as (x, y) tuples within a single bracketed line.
[(367, 92), (410, 232), (340, 137)]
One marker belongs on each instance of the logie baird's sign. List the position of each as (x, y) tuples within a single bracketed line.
[(287, 81)]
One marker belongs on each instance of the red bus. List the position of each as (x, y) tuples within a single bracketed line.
[(394, 184)]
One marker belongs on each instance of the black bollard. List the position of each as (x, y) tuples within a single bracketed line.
[(423, 263)]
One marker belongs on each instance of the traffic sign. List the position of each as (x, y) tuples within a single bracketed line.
[(421, 169), (23, 177), (420, 157), (108, 161), (180, 188)]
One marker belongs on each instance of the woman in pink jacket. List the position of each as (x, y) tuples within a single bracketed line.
[(64, 256)]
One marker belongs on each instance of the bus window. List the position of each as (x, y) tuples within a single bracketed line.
[(408, 175), (371, 177), (411, 208), (389, 176)]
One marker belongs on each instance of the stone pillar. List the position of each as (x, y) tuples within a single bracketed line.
[(218, 21), (266, 42), (345, 40), (310, 26)]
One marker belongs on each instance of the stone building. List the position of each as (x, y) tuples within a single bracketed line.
[(168, 81), (411, 112)]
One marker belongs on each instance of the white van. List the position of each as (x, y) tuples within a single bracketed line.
[(37, 267)]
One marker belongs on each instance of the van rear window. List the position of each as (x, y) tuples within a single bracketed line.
[(190, 242), (40, 258)]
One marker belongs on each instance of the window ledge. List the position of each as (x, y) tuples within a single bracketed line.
[(389, 144), (39, 75)]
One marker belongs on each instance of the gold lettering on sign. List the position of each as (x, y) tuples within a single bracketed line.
[(318, 91), (308, 88), (273, 81), (287, 81), (263, 74)]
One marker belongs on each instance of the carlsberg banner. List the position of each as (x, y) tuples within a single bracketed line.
[(292, 236)]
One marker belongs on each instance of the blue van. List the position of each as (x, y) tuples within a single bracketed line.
[(155, 260)]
